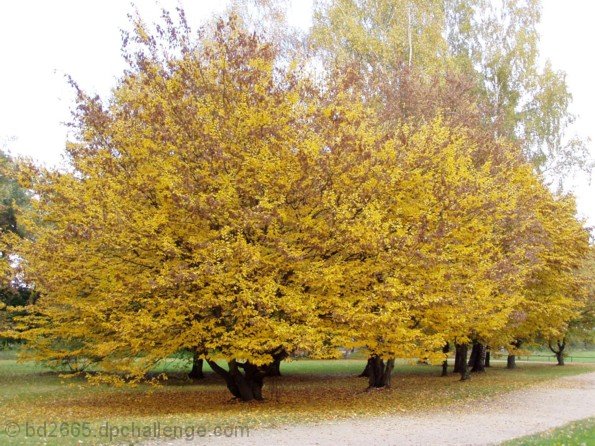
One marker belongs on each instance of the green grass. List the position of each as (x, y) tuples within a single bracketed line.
[(8, 354), (572, 356), (578, 433), (309, 391)]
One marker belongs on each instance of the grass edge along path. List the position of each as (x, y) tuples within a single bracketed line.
[(576, 433)]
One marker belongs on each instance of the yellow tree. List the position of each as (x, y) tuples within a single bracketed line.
[(467, 276), (553, 293), (186, 218), (366, 239), (416, 258), (440, 215), (488, 47)]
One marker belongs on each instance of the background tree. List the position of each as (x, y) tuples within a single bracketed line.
[(14, 294), (491, 45), (580, 328)]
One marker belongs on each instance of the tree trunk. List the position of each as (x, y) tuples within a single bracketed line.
[(254, 380), (375, 372), (246, 386), (388, 372), (197, 363), (559, 351), (459, 359), (511, 360), (478, 358), (482, 359), (473, 355), (463, 363), (379, 372), (445, 350), (457, 364), (487, 361), (274, 368), (366, 372)]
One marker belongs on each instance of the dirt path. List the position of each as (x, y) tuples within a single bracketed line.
[(507, 416)]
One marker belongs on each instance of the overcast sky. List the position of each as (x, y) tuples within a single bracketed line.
[(41, 41)]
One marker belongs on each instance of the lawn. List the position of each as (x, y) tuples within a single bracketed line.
[(571, 356), (578, 433), (309, 391)]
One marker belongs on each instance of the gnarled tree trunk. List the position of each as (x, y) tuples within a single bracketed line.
[(559, 352), (246, 386), (487, 361), (197, 363), (380, 372)]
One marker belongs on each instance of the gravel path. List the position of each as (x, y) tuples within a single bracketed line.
[(507, 416)]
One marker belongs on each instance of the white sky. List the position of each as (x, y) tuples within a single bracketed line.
[(41, 41)]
